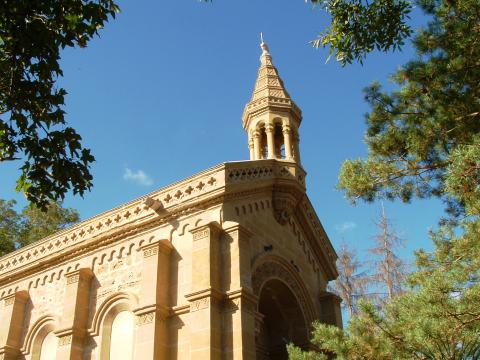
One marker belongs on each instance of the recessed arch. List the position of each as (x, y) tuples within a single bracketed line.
[(110, 306), (282, 321), (285, 308), (36, 335), (103, 324), (274, 266)]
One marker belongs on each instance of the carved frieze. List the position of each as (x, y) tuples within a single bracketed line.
[(201, 234), (145, 318), (72, 279), (152, 251), (199, 304), (65, 340), (9, 301)]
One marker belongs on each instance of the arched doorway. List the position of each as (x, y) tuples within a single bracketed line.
[(281, 321)]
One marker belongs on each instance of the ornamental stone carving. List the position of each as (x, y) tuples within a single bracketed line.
[(284, 203), (72, 279), (200, 304), (274, 270), (145, 318), (152, 251), (9, 301), (65, 340)]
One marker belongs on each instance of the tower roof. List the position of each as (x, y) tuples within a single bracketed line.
[(269, 92)]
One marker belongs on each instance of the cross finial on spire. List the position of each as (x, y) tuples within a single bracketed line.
[(263, 46)]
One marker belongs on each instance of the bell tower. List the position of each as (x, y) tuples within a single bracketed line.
[(271, 118)]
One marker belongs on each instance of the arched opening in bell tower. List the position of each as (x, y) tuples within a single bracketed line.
[(263, 143), (279, 141), (282, 322), (269, 141)]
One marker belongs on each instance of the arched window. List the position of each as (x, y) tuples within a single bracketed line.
[(122, 336), (114, 323), (48, 350), (41, 340)]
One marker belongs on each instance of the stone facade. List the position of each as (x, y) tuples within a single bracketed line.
[(227, 264)]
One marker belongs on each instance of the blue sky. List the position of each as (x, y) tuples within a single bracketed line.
[(159, 96)]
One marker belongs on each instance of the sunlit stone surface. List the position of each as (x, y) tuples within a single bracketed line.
[(230, 263), (121, 341), (49, 347)]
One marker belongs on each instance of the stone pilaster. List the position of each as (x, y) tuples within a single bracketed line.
[(205, 296), (330, 312), (73, 322), (12, 318), (240, 303), (151, 315), (240, 257)]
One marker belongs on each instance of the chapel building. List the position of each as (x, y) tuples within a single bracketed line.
[(230, 263)]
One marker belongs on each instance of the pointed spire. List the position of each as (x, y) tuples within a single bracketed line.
[(269, 92)]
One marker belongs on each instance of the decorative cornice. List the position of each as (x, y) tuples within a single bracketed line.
[(21, 296), (206, 293), (213, 186), (317, 238), (130, 215)]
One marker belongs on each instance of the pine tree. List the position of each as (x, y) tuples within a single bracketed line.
[(352, 282), (424, 141), (389, 267)]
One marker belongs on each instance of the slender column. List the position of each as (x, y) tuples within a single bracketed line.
[(251, 148), (256, 145), (152, 328), (239, 318), (205, 296), (296, 146), (270, 141), (287, 141), (12, 318), (74, 315)]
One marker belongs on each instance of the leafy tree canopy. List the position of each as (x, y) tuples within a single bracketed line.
[(32, 119), (357, 27), (31, 224)]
